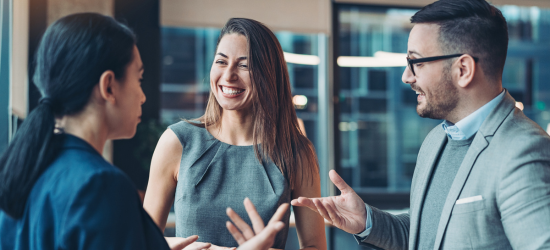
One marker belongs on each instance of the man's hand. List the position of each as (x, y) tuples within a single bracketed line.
[(261, 237), (346, 211), (177, 243)]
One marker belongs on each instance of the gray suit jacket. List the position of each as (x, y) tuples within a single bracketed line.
[(508, 164)]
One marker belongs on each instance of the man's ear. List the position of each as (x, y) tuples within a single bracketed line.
[(107, 86), (467, 69)]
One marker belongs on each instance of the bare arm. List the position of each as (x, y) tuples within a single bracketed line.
[(309, 224), (163, 178)]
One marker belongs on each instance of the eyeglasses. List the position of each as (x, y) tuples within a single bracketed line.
[(411, 62)]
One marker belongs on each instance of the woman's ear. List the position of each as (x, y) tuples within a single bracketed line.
[(107, 86), (467, 67)]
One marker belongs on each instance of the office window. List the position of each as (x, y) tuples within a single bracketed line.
[(5, 40)]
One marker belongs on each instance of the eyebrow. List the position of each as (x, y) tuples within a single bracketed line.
[(414, 52), (223, 55)]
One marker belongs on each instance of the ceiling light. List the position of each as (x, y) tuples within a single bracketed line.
[(301, 59)]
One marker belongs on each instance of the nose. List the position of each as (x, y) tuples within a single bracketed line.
[(408, 76), (143, 97), (229, 74)]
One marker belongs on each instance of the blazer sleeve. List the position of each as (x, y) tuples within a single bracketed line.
[(388, 231), (105, 213), (524, 204)]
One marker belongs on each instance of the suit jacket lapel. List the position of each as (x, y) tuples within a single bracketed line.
[(478, 145), (487, 129), (427, 159)]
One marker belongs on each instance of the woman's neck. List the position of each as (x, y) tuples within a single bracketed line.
[(235, 128), (86, 125)]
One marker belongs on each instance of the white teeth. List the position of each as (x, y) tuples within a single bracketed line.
[(231, 91), (418, 93)]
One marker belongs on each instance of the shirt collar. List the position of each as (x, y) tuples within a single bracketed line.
[(71, 141), (468, 126)]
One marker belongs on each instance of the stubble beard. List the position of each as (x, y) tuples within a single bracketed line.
[(442, 100)]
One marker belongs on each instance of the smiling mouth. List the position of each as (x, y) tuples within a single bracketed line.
[(419, 93), (231, 91)]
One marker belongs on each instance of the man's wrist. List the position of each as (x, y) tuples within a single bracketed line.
[(368, 224)]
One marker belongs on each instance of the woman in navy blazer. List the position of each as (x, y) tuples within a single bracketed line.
[(56, 190)]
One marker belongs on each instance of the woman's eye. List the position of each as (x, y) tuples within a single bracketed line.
[(243, 66), (220, 62)]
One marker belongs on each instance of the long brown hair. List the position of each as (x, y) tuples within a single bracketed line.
[(277, 136)]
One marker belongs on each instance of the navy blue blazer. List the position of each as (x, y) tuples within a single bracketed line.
[(81, 202)]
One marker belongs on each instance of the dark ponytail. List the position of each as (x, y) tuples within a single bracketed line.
[(72, 55)]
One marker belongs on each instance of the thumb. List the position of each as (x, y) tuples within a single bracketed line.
[(271, 230), (180, 243), (340, 183)]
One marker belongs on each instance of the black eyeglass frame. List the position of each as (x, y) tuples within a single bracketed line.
[(433, 58)]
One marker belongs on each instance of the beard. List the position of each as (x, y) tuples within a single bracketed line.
[(441, 100)]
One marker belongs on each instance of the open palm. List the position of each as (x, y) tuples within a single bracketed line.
[(346, 211)]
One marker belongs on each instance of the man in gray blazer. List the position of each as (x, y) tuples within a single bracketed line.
[(482, 177)]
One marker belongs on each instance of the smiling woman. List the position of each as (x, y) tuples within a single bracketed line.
[(247, 144)]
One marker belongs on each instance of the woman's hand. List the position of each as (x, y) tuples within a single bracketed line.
[(260, 237), (214, 247), (189, 243)]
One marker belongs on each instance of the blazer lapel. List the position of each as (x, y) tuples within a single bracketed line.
[(478, 145), (427, 159), (480, 142)]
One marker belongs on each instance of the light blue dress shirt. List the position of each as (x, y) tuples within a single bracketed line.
[(462, 130), (468, 126)]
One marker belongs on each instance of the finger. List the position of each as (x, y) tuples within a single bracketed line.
[(331, 210), (266, 238), (179, 243), (255, 218), (279, 214), (340, 183), (321, 209), (304, 202), (237, 235), (240, 224), (198, 246)]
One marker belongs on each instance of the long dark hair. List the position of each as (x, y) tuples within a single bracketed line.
[(73, 54), (277, 136)]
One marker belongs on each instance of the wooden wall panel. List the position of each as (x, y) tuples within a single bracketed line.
[(422, 3), (61, 8), (19, 84), (307, 16)]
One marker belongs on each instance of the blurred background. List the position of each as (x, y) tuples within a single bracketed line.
[(345, 59)]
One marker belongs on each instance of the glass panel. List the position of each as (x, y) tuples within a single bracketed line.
[(5, 37), (377, 149)]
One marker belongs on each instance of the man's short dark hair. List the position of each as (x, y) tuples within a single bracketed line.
[(474, 27)]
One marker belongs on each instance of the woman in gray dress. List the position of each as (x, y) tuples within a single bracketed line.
[(247, 144)]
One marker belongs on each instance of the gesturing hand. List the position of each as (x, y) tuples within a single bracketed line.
[(261, 237), (177, 243), (346, 211)]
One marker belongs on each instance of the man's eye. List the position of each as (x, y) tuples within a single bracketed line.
[(418, 64)]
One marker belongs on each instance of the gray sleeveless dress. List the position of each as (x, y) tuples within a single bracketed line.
[(215, 175)]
